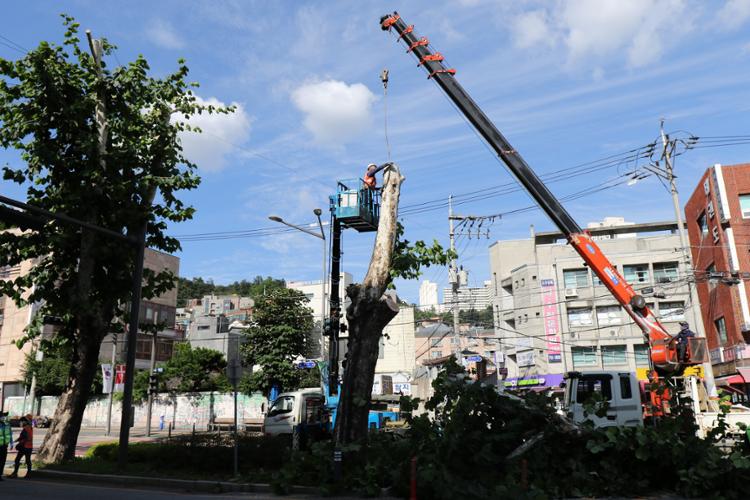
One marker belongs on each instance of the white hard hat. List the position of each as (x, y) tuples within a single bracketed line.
[(371, 165)]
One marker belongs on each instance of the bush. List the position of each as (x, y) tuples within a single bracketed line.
[(202, 455)]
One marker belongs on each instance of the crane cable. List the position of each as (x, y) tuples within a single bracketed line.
[(384, 79)]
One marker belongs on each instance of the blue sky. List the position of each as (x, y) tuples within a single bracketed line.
[(566, 82)]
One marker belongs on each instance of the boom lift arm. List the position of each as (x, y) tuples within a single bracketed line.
[(663, 350)]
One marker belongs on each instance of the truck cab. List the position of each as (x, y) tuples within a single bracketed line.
[(619, 390), (291, 409)]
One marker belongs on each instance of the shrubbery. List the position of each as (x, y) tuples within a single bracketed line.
[(481, 444)]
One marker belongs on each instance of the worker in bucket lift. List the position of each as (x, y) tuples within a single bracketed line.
[(682, 340), (373, 169)]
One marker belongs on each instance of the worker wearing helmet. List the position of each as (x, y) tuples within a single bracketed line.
[(682, 340), (373, 169)]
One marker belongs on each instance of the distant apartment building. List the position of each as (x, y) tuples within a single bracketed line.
[(428, 296), (436, 340), (552, 314), (469, 298), (718, 221)]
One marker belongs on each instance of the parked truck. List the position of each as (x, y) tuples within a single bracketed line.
[(627, 400)]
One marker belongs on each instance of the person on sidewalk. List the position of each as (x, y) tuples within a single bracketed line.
[(6, 439), (25, 445)]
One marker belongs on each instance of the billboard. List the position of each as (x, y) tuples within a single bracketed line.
[(551, 321)]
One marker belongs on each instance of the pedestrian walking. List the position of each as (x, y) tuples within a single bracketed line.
[(25, 443), (6, 438)]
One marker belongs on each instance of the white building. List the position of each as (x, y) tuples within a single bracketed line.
[(428, 296), (313, 290), (469, 298), (554, 314), (396, 356)]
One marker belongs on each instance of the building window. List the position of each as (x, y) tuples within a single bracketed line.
[(745, 205), (625, 390), (614, 355), (597, 281), (608, 315), (665, 272), (636, 273), (641, 355), (672, 311), (436, 354), (576, 278), (702, 224), (721, 330), (583, 356), (579, 316)]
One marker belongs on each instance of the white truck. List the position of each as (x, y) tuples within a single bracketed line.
[(291, 409), (627, 401)]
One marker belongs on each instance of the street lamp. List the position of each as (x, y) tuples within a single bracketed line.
[(318, 212)]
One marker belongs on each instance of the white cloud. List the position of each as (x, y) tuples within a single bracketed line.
[(733, 14), (532, 28), (220, 135), (335, 111), (597, 31), (164, 35)]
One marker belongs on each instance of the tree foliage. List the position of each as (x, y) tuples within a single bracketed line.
[(52, 372), (188, 370), (281, 322), (48, 104), (195, 288), (479, 443), (409, 259)]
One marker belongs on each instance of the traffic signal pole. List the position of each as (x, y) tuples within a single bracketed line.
[(335, 312)]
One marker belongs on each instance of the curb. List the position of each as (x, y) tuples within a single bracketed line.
[(201, 486)]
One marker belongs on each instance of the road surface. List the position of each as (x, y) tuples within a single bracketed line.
[(25, 489)]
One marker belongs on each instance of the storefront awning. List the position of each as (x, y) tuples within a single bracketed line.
[(741, 377)]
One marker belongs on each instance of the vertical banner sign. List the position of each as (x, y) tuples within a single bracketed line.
[(106, 378), (120, 378), (551, 321)]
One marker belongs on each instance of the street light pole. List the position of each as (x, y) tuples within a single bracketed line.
[(322, 236)]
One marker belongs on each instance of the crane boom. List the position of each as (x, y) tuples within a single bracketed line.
[(663, 350)]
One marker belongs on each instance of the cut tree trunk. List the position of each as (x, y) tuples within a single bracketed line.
[(369, 312)]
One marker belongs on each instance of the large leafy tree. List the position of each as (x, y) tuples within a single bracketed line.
[(281, 323), (188, 370), (48, 102)]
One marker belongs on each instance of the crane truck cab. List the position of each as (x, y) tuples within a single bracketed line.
[(619, 390)]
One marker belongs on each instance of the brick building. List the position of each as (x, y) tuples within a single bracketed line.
[(718, 222)]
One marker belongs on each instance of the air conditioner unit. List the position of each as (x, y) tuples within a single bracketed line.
[(571, 292)]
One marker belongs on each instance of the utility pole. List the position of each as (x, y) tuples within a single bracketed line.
[(454, 281), (152, 369), (453, 275), (668, 148)]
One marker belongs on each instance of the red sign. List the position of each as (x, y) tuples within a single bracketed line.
[(120, 378)]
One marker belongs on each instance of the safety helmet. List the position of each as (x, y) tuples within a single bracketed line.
[(371, 165)]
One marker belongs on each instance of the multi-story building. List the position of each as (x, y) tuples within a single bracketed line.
[(428, 296), (313, 290), (14, 320), (232, 306), (554, 315), (396, 353), (159, 310), (718, 221), (469, 298)]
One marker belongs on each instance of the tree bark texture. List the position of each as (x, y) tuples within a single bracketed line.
[(367, 315), (60, 442)]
